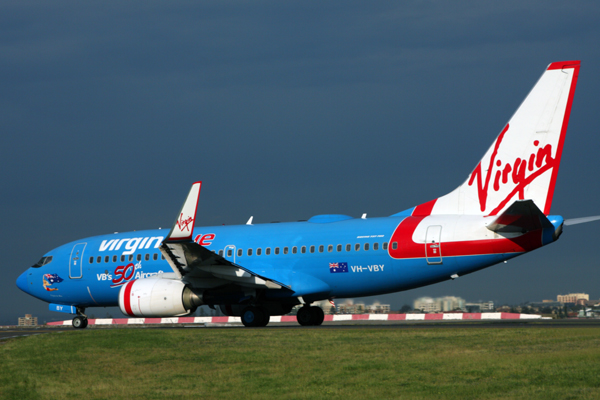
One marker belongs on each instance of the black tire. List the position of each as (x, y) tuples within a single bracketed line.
[(265, 318), (79, 322), (251, 316), (305, 316), (318, 315)]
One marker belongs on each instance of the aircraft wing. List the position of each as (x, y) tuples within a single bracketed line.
[(200, 266)]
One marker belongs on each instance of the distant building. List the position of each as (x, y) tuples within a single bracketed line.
[(28, 320), (485, 306), (574, 298), (350, 307), (426, 304), (378, 308), (546, 304), (448, 303)]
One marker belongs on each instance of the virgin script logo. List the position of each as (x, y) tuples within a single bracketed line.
[(184, 223), (519, 173)]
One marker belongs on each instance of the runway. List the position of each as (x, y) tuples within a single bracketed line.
[(14, 332)]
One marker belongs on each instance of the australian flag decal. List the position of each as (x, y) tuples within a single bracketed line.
[(53, 278), (338, 267)]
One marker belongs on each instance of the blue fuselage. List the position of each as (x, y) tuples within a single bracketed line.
[(325, 257)]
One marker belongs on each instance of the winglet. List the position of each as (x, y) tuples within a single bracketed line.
[(184, 224)]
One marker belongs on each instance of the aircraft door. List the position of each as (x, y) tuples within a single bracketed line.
[(230, 252), (76, 261), (433, 247)]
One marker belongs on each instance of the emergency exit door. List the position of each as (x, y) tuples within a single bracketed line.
[(433, 246)]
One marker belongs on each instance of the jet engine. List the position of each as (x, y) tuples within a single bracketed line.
[(158, 297)]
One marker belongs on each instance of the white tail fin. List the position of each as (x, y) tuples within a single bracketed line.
[(523, 161)]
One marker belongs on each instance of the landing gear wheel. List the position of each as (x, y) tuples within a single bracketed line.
[(310, 316), (80, 322), (266, 318), (318, 315), (305, 316), (249, 316), (254, 316)]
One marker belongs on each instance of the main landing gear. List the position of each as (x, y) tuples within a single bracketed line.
[(255, 316), (80, 321), (310, 316)]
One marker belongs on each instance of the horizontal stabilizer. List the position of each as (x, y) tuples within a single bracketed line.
[(575, 221), (521, 216)]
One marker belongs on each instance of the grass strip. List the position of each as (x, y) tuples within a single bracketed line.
[(444, 363)]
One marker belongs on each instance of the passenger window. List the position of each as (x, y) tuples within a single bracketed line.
[(106, 258), (240, 252), (114, 258), (339, 247), (122, 258), (131, 257), (258, 251), (91, 260), (268, 251), (98, 259), (162, 256), (155, 256), (394, 245), (321, 248), (147, 257), (221, 253), (303, 249), (138, 257), (330, 248), (366, 246), (285, 250), (276, 250), (294, 250), (348, 247), (384, 247), (229, 252), (312, 249), (357, 246), (249, 252), (376, 246)]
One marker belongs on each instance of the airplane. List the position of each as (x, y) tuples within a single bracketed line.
[(256, 271)]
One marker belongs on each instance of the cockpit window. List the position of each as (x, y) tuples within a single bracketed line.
[(43, 261)]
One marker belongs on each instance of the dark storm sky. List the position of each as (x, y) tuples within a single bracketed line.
[(109, 111)]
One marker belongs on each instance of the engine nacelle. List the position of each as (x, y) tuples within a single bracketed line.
[(157, 297)]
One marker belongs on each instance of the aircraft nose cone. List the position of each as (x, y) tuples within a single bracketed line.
[(22, 282)]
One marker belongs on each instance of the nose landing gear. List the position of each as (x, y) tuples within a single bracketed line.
[(80, 321)]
